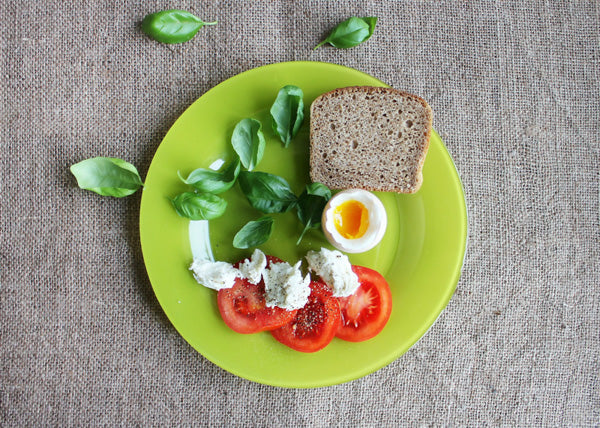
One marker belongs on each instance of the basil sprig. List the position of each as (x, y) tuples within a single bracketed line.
[(310, 206), (266, 192), (199, 206), (248, 142), (254, 233), (207, 180), (172, 26), (351, 32), (107, 176), (287, 113)]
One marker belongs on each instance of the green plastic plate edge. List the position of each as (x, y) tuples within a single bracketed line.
[(377, 363)]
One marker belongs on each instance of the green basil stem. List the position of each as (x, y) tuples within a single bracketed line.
[(320, 44), (306, 229)]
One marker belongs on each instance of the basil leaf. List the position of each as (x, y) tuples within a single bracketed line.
[(199, 206), (317, 189), (351, 32), (248, 142), (172, 26), (310, 206), (107, 176), (207, 180), (287, 113), (254, 233), (267, 192)]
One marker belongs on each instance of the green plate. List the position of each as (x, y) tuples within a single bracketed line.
[(421, 254)]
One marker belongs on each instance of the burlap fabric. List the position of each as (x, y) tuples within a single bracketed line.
[(515, 90)]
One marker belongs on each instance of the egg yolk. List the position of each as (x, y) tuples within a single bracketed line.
[(351, 219)]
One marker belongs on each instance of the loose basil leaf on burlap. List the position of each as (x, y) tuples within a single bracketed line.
[(267, 192), (248, 142), (351, 32), (310, 206), (172, 26), (254, 233), (199, 206), (287, 113), (107, 176), (207, 180)]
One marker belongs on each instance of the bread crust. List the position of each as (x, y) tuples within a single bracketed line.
[(417, 145)]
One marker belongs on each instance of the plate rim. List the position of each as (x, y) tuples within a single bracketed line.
[(419, 333)]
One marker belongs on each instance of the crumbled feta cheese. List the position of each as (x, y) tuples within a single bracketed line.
[(215, 275), (335, 269), (285, 287), (253, 267)]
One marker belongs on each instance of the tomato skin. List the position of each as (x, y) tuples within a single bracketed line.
[(315, 325), (366, 312), (243, 307)]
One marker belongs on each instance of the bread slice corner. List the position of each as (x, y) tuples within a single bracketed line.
[(372, 138)]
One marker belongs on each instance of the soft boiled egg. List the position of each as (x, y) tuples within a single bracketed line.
[(354, 220)]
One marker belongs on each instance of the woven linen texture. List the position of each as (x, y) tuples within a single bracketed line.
[(514, 87)]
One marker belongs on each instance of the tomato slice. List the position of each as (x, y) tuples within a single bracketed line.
[(315, 325), (366, 312), (243, 307)]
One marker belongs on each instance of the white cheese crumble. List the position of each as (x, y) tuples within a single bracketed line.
[(335, 269), (215, 275), (285, 287), (252, 268)]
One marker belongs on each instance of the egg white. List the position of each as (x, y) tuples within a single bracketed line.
[(375, 230)]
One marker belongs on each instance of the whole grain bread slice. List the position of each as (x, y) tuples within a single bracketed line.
[(370, 138)]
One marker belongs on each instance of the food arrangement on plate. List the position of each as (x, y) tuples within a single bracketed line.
[(362, 139), (276, 212), (359, 198)]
